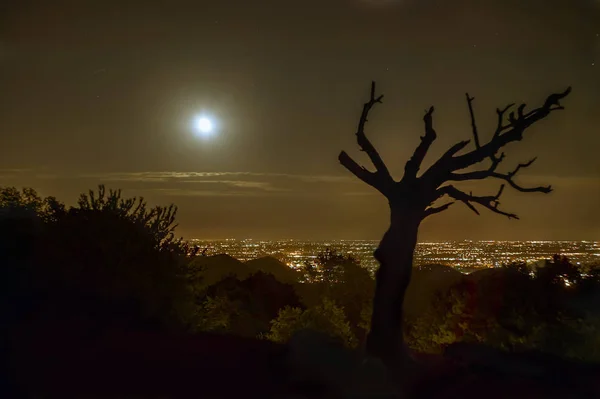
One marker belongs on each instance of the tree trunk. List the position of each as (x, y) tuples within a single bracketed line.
[(395, 256)]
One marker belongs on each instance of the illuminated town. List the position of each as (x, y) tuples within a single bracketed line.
[(465, 256)]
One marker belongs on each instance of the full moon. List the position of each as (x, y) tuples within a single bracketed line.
[(203, 126)]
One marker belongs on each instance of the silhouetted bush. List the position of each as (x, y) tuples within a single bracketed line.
[(107, 260)]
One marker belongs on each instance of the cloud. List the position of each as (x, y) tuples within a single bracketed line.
[(245, 184), (9, 174), (172, 175), (182, 192), (163, 176), (194, 183), (14, 170), (200, 183), (222, 183)]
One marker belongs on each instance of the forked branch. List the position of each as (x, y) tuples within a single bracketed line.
[(381, 178), (500, 127), (504, 134), (473, 124), (507, 177), (414, 163), (432, 210), (490, 202), (371, 178)]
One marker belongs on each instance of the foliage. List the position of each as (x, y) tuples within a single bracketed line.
[(326, 317), (215, 313), (558, 272), (28, 201), (586, 342), (343, 280), (253, 302), (109, 256), (23, 214), (116, 260), (158, 223), (452, 319), (330, 267), (365, 317), (514, 308)]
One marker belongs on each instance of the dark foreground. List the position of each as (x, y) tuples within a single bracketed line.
[(61, 361)]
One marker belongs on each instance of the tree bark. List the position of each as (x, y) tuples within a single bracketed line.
[(395, 256)]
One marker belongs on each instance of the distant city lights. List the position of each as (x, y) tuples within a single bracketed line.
[(465, 256)]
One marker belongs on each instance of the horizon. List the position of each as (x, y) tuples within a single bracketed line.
[(377, 240), (462, 255), (240, 125)]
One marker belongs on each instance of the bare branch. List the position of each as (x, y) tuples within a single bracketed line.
[(361, 138), (434, 170), (473, 124), (381, 178), (522, 165), (432, 210), (500, 127), (508, 177), (454, 149), (504, 134), (371, 178), (414, 163), (489, 202)]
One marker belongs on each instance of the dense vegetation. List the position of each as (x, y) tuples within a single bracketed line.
[(112, 262), (117, 260)]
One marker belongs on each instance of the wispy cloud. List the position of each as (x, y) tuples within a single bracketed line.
[(194, 183), (245, 184), (7, 174), (221, 183), (182, 192), (163, 176), (14, 170), (183, 176)]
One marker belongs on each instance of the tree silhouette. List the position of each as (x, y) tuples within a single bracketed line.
[(412, 198), (157, 223), (109, 256)]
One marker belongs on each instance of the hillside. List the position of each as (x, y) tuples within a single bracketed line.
[(212, 269), (270, 265)]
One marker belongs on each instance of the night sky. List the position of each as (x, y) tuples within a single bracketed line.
[(105, 92)]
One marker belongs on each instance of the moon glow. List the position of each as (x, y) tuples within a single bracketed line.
[(204, 126)]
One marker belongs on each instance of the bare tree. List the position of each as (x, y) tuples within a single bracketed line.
[(412, 198)]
